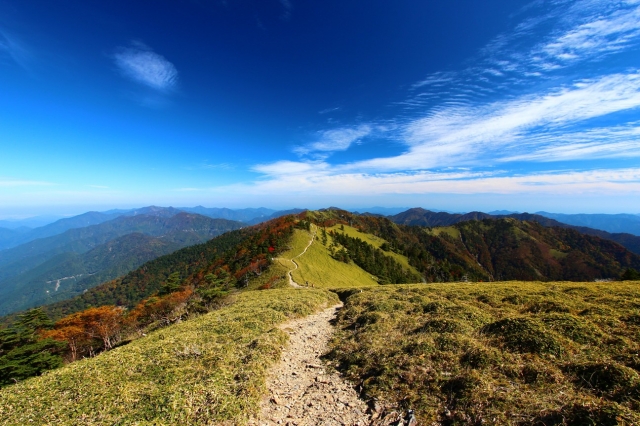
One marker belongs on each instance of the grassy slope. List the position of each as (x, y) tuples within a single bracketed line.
[(206, 370), (320, 269), (501, 353), (376, 242)]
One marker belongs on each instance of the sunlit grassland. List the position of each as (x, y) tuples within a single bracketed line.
[(511, 353), (376, 242), (275, 276), (449, 230), (207, 370), (318, 268)]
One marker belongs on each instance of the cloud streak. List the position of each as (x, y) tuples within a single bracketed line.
[(11, 182), (15, 49), (141, 65), (518, 104), (320, 178), (336, 140)]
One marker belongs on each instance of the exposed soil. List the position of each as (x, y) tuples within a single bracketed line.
[(301, 390)]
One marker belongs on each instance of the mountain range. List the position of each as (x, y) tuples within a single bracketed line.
[(65, 258), (422, 217), (64, 265)]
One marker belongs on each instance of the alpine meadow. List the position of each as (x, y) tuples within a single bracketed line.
[(320, 213)]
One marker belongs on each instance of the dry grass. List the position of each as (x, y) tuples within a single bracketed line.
[(511, 353), (209, 370)]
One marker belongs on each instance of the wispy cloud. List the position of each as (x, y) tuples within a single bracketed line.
[(336, 139), (142, 65), (594, 29), (304, 178), (16, 49), (453, 136), (512, 105), (329, 110), (11, 182), (287, 9)]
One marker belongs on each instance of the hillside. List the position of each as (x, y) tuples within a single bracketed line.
[(502, 353), (208, 370), (422, 217), (513, 352), (30, 273), (241, 253), (70, 274)]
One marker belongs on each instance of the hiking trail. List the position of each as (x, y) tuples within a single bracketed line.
[(292, 282), (300, 389)]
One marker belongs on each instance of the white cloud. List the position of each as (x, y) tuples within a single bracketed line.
[(288, 8), (599, 33), (598, 143), (306, 179), (142, 65), (11, 182), (471, 134), (336, 139), (492, 114), (15, 49)]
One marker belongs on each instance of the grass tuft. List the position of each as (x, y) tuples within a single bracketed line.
[(502, 353), (208, 370), (524, 335)]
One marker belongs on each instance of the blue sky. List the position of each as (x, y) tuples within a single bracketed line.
[(459, 105)]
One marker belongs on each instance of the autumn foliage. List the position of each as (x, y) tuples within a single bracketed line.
[(89, 331)]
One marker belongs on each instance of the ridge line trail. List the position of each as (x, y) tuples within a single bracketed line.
[(300, 389), (292, 282)]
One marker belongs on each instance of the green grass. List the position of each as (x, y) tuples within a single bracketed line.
[(449, 230), (376, 242), (208, 370), (510, 353), (318, 267)]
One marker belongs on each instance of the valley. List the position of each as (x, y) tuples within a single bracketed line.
[(459, 348)]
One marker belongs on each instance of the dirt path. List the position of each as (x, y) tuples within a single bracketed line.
[(292, 282), (301, 391)]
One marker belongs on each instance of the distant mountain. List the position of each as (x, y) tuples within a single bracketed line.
[(502, 212), (384, 211), (235, 251), (80, 221), (241, 215), (25, 269), (275, 215), (69, 274), (615, 223), (498, 248), (422, 217), (30, 222)]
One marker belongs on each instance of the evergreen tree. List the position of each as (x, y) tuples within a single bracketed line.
[(171, 285), (630, 275), (23, 352)]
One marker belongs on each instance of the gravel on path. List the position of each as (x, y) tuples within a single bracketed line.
[(300, 389)]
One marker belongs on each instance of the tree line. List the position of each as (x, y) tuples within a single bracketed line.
[(33, 343)]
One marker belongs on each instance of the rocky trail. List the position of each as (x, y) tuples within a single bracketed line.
[(301, 390)]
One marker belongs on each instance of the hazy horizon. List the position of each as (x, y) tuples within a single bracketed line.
[(458, 106)]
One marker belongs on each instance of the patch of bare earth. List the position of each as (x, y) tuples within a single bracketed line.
[(301, 390)]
